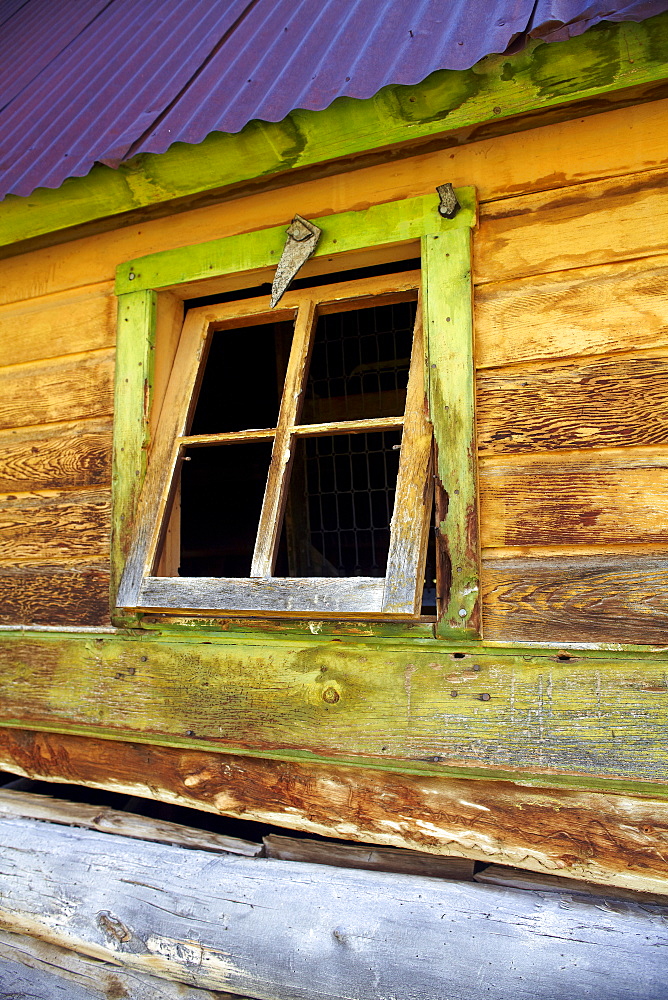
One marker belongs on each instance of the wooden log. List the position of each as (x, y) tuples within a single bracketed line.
[(606, 837), (106, 820), (605, 598), (55, 594), (35, 970), (588, 310), (517, 879), (270, 930), (600, 716), (593, 499), (52, 527), (580, 403), (56, 457), (367, 858), (60, 390), (51, 326), (595, 223)]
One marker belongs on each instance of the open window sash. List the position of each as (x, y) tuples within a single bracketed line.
[(399, 592)]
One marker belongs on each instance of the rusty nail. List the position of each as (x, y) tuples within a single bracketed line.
[(190, 732), (453, 694), (485, 697)]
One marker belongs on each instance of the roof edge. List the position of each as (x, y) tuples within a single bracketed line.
[(541, 77)]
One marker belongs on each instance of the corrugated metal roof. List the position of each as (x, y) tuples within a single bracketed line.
[(101, 80)]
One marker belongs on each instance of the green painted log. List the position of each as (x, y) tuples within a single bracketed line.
[(387, 705), (607, 59)]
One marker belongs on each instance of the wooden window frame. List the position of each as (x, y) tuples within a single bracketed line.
[(150, 293)]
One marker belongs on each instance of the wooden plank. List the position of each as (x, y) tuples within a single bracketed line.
[(137, 317), (446, 261), (115, 900), (609, 402), (540, 713), (517, 879), (278, 477), (605, 598), (143, 503), (308, 595), (589, 310), (55, 594), (168, 323), (607, 837), (59, 456), (367, 858), (591, 499), (69, 323), (30, 968), (594, 223), (413, 499), (393, 222), (53, 527), (125, 824), (59, 390), (584, 76)]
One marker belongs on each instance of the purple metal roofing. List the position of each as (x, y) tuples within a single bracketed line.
[(83, 81)]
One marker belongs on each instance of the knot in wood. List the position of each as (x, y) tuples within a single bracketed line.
[(330, 695), (113, 927)]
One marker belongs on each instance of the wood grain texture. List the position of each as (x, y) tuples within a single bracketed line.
[(59, 390), (357, 595), (375, 225), (413, 498), (446, 261), (594, 499), (605, 837), (34, 969), (137, 317), (50, 527), (515, 878), (535, 713), (594, 223), (609, 402), (55, 594), (58, 456), (589, 310), (124, 824), (68, 323), (588, 75), (327, 933), (622, 598), (367, 858)]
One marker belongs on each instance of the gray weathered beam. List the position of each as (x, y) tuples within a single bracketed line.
[(275, 930)]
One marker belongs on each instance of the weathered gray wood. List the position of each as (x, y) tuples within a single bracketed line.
[(36, 970), (356, 595), (277, 931), (368, 857), (31, 806), (517, 879)]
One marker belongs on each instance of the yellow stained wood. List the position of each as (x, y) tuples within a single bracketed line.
[(58, 456), (40, 528), (589, 310), (554, 156), (593, 502), (65, 323), (57, 390), (281, 457), (609, 598), (595, 223), (592, 402), (169, 320)]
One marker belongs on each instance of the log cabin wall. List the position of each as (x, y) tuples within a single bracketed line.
[(570, 273)]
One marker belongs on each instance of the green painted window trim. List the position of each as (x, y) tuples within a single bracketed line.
[(446, 254), (541, 78)]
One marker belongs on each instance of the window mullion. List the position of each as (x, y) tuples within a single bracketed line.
[(409, 534), (264, 554)]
